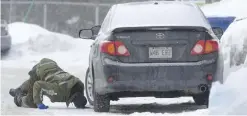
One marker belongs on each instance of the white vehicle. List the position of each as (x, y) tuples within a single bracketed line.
[(235, 44)]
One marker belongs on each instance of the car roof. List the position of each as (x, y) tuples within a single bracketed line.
[(157, 13)]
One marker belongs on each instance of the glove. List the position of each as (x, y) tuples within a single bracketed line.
[(42, 106)]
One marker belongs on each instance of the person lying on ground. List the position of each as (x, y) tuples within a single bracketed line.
[(47, 78)]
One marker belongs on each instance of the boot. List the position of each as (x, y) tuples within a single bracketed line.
[(24, 101), (27, 102), (18, 100), (14, 92), (18, 96)]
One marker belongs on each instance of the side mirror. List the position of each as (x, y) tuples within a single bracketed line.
[(86, 33), (95, 30), (218, 31), (89, 33)]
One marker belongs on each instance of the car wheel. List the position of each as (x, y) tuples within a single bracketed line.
[(201, 99), (101, 102), (89, 87)]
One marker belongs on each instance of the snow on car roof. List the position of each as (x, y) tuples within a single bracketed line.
[(139, 14)]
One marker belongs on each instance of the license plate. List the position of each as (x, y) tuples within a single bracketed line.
[(160, 52)]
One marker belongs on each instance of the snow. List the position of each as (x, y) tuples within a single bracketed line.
[(32, 42), (230, 98), (148, 14), (73, 20), (226, 8), (234, 36)]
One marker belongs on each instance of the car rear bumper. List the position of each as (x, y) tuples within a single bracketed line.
[(154, 77)]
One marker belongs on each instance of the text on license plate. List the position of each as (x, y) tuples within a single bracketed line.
[(160, 52)]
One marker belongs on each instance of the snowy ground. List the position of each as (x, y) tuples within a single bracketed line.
[(72, 55), (31, 43), (133, 106)]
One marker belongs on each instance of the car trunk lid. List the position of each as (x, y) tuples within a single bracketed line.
[(159, 44)]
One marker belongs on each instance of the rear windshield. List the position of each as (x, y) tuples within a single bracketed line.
[(163, 14)]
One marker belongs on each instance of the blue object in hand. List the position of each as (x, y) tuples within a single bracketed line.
[(42, 106)]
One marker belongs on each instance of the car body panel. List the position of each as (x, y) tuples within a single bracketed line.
[(153, 76), (180, 41)]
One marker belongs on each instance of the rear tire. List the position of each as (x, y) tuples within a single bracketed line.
[(101, 103), (88, 93), (201, 99)]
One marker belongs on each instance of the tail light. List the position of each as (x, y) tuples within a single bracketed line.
[(209, 77), (205, 47), (115, 48)]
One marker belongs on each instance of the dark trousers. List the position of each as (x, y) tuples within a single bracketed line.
[(26, 97)]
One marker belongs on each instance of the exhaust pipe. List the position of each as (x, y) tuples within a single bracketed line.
[(203, 88)]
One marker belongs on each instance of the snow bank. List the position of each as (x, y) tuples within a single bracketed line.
[(21, 32), (230, 98), (226, 8), (234, 38), (32, 42)]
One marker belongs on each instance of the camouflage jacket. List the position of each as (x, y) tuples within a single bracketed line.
[(53, 82)]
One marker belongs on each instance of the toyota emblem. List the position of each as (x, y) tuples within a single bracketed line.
[(160, 35)]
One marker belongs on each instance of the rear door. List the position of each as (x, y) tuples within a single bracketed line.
[(159, 45)]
